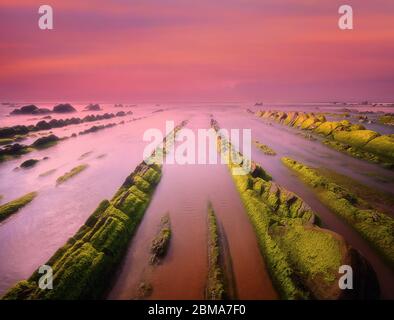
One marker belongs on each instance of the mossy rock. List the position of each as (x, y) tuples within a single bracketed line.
[(304, 246), (74, 171), (358, 138), (300, 119), (83, 266), (6, 141), (161, 242), (374, 226), (13, 206), (290, 119), (387, 119), (383, 146), (326, 128), (308, 122)]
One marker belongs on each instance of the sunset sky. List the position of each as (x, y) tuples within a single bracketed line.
[(197, 50)]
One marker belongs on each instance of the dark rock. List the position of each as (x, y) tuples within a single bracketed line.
[(13, 149), (7, 132), (64, 108), (42, 111), (366, 284), (41, 142), (29, 163), (93, 107), (29, 109), (120, 114), (43, 125)]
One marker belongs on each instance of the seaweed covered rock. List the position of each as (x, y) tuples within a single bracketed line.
[(383, 146), (13, 206), (303, 245), (387, 119), (302, 258), (326, 128), (376, 227), (343, 136), (15, 149), (161, 242), (216, 287), (6, 141), (82, 268), (68, 175), (264, 148), (357, 138)]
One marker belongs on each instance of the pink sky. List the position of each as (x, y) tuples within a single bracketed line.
[(188, 50)]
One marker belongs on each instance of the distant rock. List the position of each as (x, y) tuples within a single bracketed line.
[(93, 107), (30, 109), (64, 108), (25, 109)]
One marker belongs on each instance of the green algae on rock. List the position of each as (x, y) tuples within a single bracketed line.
[(82, 268), (84, 264), (216, 287), (161, 242), (376, 227), (72, 173), (342, 136), (13, 206), (302, 258), (264, 148), (6, 141), (357, 138), (387, 119)]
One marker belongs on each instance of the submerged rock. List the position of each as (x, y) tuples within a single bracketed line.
[(161, 242)]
